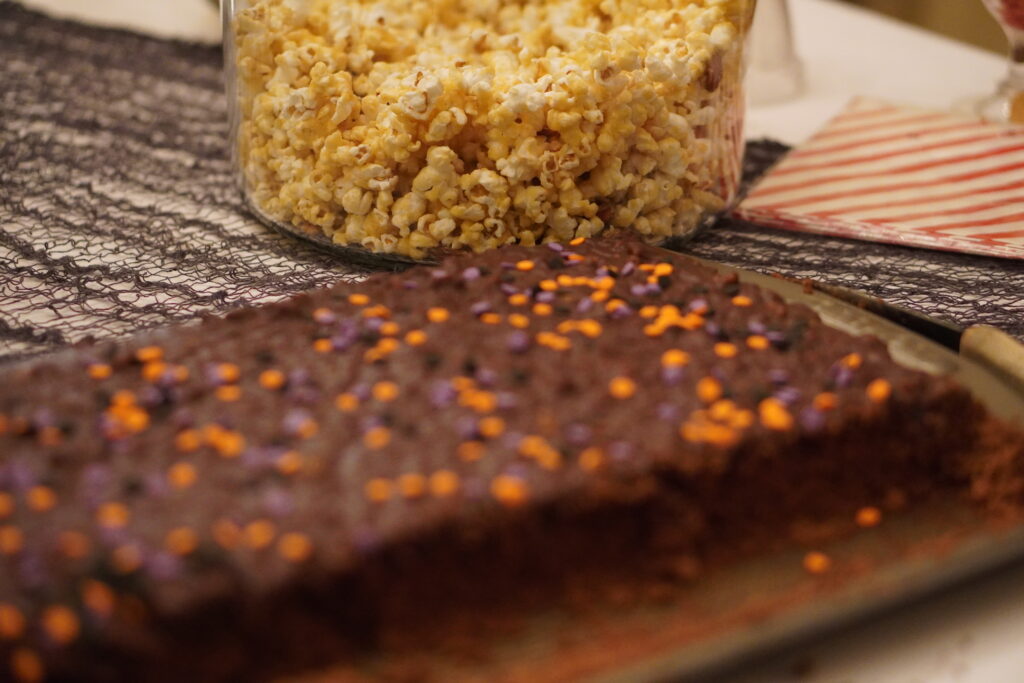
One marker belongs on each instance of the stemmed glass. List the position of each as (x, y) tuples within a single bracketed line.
[(1007, 103)]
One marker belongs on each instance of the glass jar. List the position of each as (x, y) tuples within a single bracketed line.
[(402, 127)]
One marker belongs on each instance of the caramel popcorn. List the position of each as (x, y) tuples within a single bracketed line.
[(407, 125)]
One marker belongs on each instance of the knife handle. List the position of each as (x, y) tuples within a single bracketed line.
[(996, 350)]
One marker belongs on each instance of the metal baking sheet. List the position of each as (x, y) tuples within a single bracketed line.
[(762, 604)]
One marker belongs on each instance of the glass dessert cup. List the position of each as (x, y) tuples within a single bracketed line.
[(389, 137), (1006, 105)]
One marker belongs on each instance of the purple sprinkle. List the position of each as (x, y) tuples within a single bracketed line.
[(365, 540), (163, 566), (438, 274), (168, 378), (788, 395), (373, 323), (652, 288), (465, 427), (442, 393), (507, 266), (324, 316), (369, 422), (568, 263), (757, 327), (518, 341), (667, 411), (34, 570), (20, 475), (93, 481), (480, 307), (775, 336), (843, 376), (150, 396), (545, 297), (778, 376), (113, 536), (183, 418), (278, 503), (411, 284), (43, 418), (486, 377), (518, 470), (507, 400), (259, 458), (555, 246), (155, 484), (342, 342), (620, 450), (298, 376), (361, 391), (628, 268), (713, 328), (211, 371), (638, 289), (602, 272), (585, 304), (578, 434), (511, 439), (621, 312), (306, 395), (672, 375), (812, 420), (471, 273), (719, 373), (698, 304), (508, 288)]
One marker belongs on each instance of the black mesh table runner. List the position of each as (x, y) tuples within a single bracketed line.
[(118, 210)]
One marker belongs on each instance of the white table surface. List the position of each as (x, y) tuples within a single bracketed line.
[(971, 635)]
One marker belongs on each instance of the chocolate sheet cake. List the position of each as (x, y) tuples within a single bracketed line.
[(367, 465)]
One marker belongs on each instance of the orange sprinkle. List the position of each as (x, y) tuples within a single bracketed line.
[(50, 436), (188, 441), (26, 666), (322, 345), (152, 372), (879, 390), (675, 358), (726, 350), (6, 505), (358, 299), (60, 623), (228, 372), (272, 379), (614, 305), (181, 541), (226, 533), (98, 597), (73, 544), (491, 427), (525, 266), (742, 300), (722, 410), (509, 490), (648, 312), (126, 559), (709, 389), (519, 299), (295, 547), (554, 341), (518, 320), (148, 354), (180, 373), (346, 402), (377, 438), (470, 451), (259, 534), (564, 280), (113, 515), (41, 498), (868, 517), (378, 311), (605, 284), (826, 401), (416, 338), (437, 314), (490, 318), (622, 387), (12, 623), (99, 371), (228, 393), (575, 258), (11, 540), (548, 285), (390, 329), (289, 463), (852, 361), (542, 309), (662, 269), (758, 342), (577, 241), (378, 490), (591, 459), (775, 415), (443, 483), (122, 399), (480, 401), (817, 563), (385, 392), (227, 443), (412, 485), (600, 296), (589, 328)]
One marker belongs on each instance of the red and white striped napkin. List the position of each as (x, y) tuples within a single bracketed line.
[(901, 175)]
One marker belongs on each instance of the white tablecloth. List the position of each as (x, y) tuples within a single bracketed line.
[(972, 635)]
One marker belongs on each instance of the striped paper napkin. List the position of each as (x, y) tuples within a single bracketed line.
[(895, 174)]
